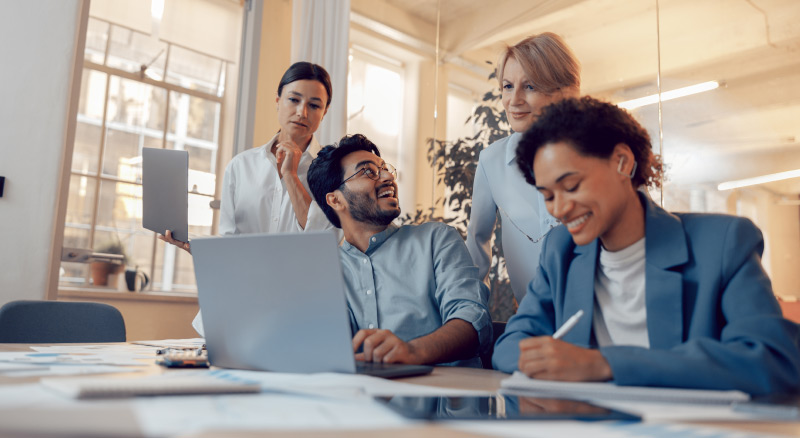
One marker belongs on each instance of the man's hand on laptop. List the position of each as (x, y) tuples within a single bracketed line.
[(384, 346), (167, 237)]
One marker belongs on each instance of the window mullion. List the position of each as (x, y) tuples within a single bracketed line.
[(96, 204), (160, 84)]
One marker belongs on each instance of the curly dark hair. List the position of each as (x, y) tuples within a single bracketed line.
[(325, 174), (593, 128)]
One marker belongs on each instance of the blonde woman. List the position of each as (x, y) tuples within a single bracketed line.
[(533, 73)]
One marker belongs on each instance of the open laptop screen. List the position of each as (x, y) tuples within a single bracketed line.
[(274, 302)]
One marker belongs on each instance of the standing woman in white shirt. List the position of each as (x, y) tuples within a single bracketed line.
[(534, 73), (265, 189)]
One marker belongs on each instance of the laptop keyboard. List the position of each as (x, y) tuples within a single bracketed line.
[(391, 370), (366, 367)]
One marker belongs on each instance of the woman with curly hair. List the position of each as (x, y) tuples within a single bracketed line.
[(668, 299)]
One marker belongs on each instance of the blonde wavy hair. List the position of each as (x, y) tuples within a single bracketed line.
[(546, 60)]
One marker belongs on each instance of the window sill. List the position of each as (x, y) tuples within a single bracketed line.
[(113, 294)]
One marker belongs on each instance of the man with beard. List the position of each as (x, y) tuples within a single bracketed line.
[(413, 292)]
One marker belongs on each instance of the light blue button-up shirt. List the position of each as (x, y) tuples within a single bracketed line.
[(412, 280)]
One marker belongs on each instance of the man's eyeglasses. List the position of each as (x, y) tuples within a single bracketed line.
[(371, 171)]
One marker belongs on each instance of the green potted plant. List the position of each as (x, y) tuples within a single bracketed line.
[(102, 268), (455, 163)]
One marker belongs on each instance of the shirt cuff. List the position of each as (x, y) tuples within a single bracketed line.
[(316, 219), (481, 322)]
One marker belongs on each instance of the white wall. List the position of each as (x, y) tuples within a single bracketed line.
[(37, 48)]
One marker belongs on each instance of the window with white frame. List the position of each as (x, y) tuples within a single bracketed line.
[(461, 103), (140, 91), (375, 96)]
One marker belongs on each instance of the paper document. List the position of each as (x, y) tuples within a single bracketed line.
[(11, 367), (337, 384), (610, 391), (264, 414), (129, 350), (69, 370), (174, 343), (36, 358)]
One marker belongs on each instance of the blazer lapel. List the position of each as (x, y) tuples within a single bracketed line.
[(665, 248), (581, 286)]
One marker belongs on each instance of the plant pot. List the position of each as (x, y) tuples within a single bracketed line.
[(102, 270)]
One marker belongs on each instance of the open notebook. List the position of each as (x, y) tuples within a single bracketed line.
[(609, 391)]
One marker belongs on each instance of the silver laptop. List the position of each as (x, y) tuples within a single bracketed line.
[(165, 193), (276, 302)]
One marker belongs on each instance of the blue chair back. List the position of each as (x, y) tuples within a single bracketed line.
[(51, 322)]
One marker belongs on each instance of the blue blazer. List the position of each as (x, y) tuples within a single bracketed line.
[(712, 319)]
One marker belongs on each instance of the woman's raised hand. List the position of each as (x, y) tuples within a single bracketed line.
[(288, 155), (167, 237)]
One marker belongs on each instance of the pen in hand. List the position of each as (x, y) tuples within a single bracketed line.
[(567, 326)]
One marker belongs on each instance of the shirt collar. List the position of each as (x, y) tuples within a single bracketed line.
[(375, 241), (511, 147), (313, 147), (312, 150)]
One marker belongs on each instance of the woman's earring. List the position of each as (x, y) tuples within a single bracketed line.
[(619, 168)]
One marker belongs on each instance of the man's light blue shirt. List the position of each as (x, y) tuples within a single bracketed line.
[(412, 280)]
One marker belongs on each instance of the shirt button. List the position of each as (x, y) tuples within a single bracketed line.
[(371, 326), (374, 239), (369, 291), (364, 261), (274, 219)]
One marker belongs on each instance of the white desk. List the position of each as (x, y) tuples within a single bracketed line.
[(119, 417)]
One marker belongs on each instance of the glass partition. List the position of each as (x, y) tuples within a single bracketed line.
[(719, 142), (727, 73)]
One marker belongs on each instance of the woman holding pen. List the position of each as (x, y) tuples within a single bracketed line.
[(669, 299)]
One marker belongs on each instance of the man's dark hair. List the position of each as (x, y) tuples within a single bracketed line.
[(325, 174), (593, 128), (307, 71)]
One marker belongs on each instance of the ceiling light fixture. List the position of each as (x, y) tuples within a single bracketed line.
[(780, 176), (669, 95)]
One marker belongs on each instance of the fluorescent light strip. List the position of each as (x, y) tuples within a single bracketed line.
[(780, 176), (669, 95)]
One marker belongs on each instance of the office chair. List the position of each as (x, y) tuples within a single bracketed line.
[(50, 322), (497, 330)]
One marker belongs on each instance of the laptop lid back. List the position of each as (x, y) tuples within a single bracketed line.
[(165, 192), (274, 302)]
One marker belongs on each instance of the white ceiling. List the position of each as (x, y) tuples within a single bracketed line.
[(427, 10)]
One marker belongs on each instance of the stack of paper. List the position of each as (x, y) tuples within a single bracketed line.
[(610, 391), (174, 343)]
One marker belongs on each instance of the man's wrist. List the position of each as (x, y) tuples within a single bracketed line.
[(417, 352)]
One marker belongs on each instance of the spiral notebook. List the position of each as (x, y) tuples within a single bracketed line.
[(519, 382), (105, 387)]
